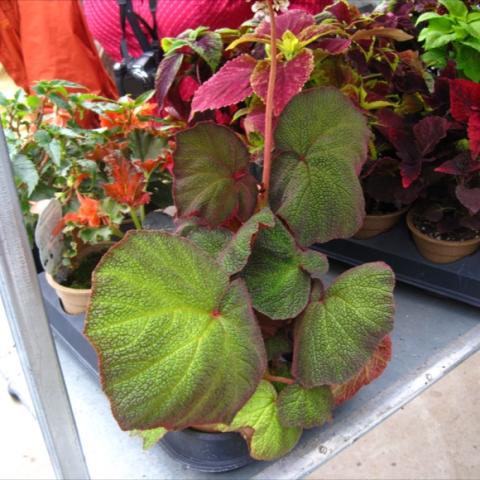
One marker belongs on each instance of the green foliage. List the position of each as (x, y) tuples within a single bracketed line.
[(150, 437), (260, 423), (338, 334), (454, 35), (211, 175), (276, 276), (306, 408), (321, 144), (165, 329)]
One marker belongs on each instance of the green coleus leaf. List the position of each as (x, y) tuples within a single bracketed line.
[(278, 273), (145, 146), (259, 422), (150, 437), (456, 8), (235, 255), (211, 174), (178, 343), (321, 144), (305, 407), (337, 335)]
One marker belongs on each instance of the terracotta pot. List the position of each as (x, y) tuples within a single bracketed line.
[(374, 225), (440, 251), (75, 300)]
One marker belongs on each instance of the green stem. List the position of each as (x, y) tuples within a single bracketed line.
[(267, 151), (116, 231), (135, 219)]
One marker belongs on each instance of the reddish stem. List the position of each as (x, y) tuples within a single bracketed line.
[(268, 145), (273, 378)]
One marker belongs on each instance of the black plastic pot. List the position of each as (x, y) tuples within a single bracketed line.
[(206, 452)]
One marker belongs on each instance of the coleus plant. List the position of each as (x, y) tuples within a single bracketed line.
[(227, 322), (453, 32)]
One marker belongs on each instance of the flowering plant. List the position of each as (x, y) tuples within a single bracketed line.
[(227, 322), (94, 155)]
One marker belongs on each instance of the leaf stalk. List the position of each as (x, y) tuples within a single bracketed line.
[(268, 145)]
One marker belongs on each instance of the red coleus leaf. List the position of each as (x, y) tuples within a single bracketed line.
[(341, 10), (231, 84), (334, 46), (294, 21), (473, 132), (291, 77), (429, 131), (469, 198), (187, 88), (462, 164), (464, 99), (128, 187), (372, 370)]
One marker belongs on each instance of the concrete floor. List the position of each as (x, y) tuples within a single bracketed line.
[(436, 436)]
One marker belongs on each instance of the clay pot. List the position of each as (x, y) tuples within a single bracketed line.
[(75, 300), (374, 225), (440, 251)]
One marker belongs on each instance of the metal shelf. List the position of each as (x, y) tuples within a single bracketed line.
[(432, 335)]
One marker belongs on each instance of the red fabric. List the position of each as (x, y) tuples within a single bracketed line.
[(173, 17), (46, 40)]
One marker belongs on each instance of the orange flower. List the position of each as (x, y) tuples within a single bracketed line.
[(88, 214), (128, 119), (128, 187), (149, 165)]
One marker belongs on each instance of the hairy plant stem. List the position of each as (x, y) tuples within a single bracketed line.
[(268, 145), (273, 378), (135, 219)]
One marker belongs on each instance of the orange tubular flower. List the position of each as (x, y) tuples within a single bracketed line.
[(128, 187), (88, 214), (127, 119)]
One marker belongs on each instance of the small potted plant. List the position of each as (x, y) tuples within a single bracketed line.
[(94, 157), (226, 324), (446, 226)]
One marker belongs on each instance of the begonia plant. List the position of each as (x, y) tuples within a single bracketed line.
[(227, 322)]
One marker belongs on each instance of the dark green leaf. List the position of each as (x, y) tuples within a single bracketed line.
[(25, 172)]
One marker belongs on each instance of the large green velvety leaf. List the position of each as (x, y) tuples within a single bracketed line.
[(336, 336), (236, 253), (213, 241), (278, 273), (260, 423), (321, 144), (211, 174), (302, 407), (178, 343)]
